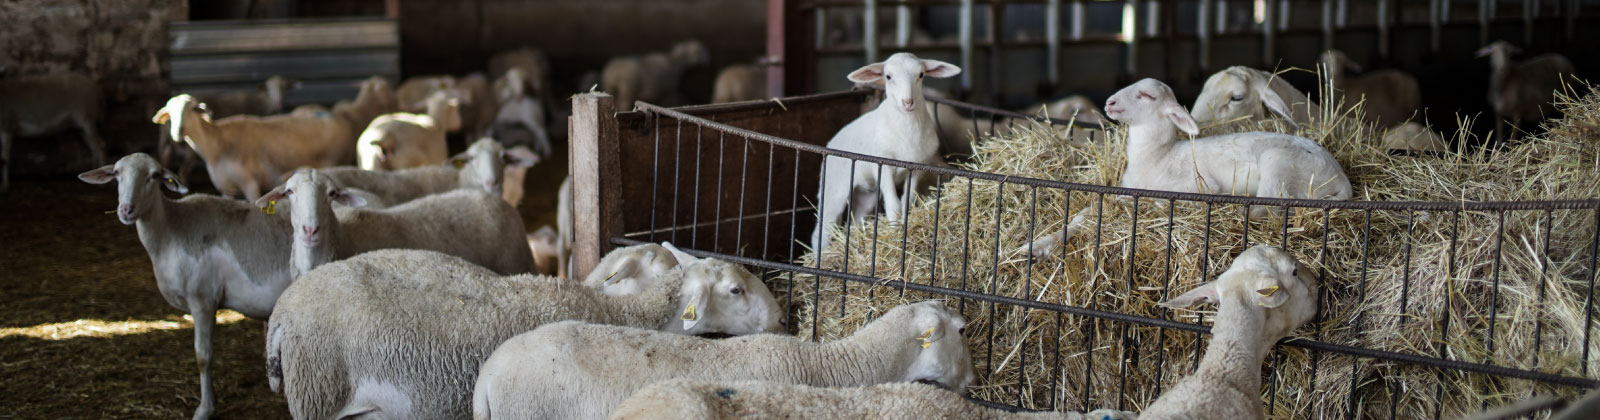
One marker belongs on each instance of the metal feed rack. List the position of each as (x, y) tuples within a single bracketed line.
[(735, 182)]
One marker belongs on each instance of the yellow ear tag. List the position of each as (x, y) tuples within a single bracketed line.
[(688, 314), (271, 207), (1269, 290), (608, 278), (171, 181), (926, 335), (458, 163)]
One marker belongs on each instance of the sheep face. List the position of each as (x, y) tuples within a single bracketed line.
[(139, 178), (944, 357), (482, 166), (310, 197), (631, 270), (1284, 289), (721, 297), (902, 76), (1149, 101), (1237, 93)]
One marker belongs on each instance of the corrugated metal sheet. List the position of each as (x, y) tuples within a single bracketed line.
[(329, 56)]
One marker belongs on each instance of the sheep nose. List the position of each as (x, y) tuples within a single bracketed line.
[(309, 230), (1111, 102), (125, 209), (907, 104)]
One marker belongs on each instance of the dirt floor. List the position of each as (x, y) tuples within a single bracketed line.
[(85, 334)]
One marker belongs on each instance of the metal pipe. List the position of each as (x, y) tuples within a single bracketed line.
[(1343, 16), (1222, 17), (1204, 31), (1078, 19), (822, 27), (869, 39), (1283, 14), (1384, 12), (1269, 33), (902, 29), (1327, 24), (1131, 62), (965, 24), (1052, 41)]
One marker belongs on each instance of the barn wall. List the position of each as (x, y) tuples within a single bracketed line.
[(121, 43)]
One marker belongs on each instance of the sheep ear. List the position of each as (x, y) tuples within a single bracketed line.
[(696, 298), (345, 197), (161, 116), (684, 259), (172, 183), (1181, 118), (521, 156), (1485, 51), (1275, 104), (930, 329), (269, 201), (101, 175), (1203, 294), (870, 73), (939, 69), (458, 161), (1271, 296)]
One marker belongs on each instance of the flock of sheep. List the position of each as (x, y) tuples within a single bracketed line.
[(398, 281)]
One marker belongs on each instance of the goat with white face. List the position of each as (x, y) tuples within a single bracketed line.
[(900, 128)]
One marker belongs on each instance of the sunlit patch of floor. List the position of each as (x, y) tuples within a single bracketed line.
[(102, 328)]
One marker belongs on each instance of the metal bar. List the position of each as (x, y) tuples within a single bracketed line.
[(1588, 301), (1384, 11), (869, 24), (794, 219), (677, 170), (1342, 18), (716, 210), (1052, 36), (966, 245), (965, 31), (849, 215), (694, 206), (1203, 32), (1361, 292), (1027, 290), (1494, 294), (655, 181), (1130, 65), (994, 276), (933, 252), (744, 170), (1133, 244), (1079, 20), (1153, 322), (1094, 326), (1205, 275), (1327, 24), (995, 18), (902, 22), (1269, 34), (1544, 274), (905, 231), (1166, 289)]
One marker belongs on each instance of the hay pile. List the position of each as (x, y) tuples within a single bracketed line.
[(1561, 164)]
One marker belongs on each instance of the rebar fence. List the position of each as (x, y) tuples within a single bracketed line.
[(1426, 309)]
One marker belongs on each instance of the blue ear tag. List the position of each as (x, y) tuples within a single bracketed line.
[(725, 393)]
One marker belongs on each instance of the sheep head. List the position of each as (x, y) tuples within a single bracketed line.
[(1271, 280), (138, 176), (720, 297), (1149, 101), (902, 76), (1236, 93), (943, 357)]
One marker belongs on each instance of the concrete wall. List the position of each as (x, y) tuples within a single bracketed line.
[(120, 43)]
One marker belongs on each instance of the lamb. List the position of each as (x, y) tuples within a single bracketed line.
[(543, 244), (482, 166), (1259, 164), (900, 128), (266, 100), (520, 120), (471, 224), (47, 104), (1391, 96), (651, 77), (401, 333), (717, 400), (243, 153), (375, 97), (740, 82), (573, 370), (1240, 92), (515, 174), (1523, 91), (404, 140), (1413, 136), (208, 252), (1263, 297), (533, 68), (412, 94), (630, 270)]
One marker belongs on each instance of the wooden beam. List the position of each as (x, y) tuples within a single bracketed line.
[(597, 206)]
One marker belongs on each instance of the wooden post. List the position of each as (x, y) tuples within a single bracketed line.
[(597, 206)]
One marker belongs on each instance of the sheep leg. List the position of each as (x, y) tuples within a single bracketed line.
[(205, 317), (892, 206), (91, 137), (833, 196)]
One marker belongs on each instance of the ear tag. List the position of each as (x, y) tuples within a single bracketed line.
[(170, 180), (458, 163), (1269, 290), (272, 206), (926, 338), (688, 314), (608, 278)]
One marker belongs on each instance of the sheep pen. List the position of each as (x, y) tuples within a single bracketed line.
[(1414, 282)]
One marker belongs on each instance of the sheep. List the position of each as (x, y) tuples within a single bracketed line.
[(520, 120), (243, 153), (1259, 164), (630, 270), (543, 244), (479, 106), (1390, 96), (405, 140), (1413, 136), (266, 100), (207, 252), (1263, 297), (651, 77), (712, 400), (47, 104), (533, 68), (573, 370), (375, 97), (740, 82), (482, 166), (899, 128), (515, 174), (1523, 91), (412, 94), (1240, 92), (403, 332), (471, 224)]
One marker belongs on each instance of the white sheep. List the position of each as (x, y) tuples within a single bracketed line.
[(47, 104), (543, 244), (413, 93), (515, 175), (520, 119), (740, 82), (1523, 91), (1415, 137), (245, 153), (1258, 163), (207, 252), (629, 270), (899, 128), (265, 100), (405, 140), (533, 69), (1240, 92), (401, 333), (482, 166), (651, 77), (471, 224), (375, 97), (1263, 297), (729, 400), (1390, 96), (573, 370)]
